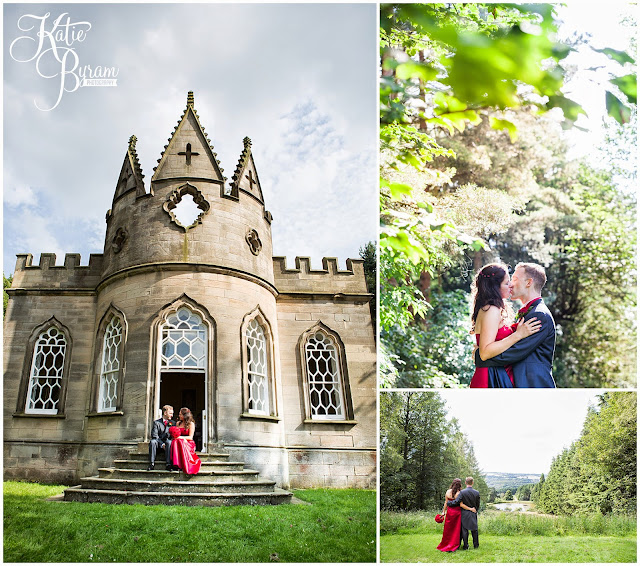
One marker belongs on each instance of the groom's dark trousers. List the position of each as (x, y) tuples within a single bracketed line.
[(471, 498)]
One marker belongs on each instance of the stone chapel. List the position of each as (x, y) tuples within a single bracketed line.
[(276, 362)]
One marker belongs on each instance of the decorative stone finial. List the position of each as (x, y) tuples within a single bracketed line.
[(247, 142), (190, 98), (132, 142)]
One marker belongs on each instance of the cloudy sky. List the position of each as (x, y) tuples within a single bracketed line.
[(518, 430), (299, 80)]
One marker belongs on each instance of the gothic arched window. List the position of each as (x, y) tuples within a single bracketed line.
[(258, 401), (47, 372), (184, 341), (327, 392), (111, 365), (258, 370)]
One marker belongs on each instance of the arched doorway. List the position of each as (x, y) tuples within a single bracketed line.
[(183, 362)]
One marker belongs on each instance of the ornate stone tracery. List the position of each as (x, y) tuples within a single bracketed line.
[(255, 244), (176, 196)]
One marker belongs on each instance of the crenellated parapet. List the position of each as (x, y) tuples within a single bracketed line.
[(47, 276), (329, 280)]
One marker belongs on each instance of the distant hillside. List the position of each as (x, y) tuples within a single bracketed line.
[(501, 481)]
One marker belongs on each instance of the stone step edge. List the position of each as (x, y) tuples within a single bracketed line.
[(205, 461), (181, 483), (277, 492), (244, 471)]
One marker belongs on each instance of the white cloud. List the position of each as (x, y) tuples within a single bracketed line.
[(249, 65)]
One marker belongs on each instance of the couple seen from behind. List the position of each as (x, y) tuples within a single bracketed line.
[(460, 516), (176, 439), (512, 352)]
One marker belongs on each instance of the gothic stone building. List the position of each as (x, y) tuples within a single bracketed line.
[(276, 362)]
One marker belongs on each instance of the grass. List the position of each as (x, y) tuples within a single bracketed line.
[(337, 526), (512, 537)]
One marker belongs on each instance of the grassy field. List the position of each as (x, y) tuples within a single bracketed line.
[(512, 537), (335, 526)]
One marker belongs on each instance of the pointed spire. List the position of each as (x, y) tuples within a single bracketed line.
[(134, 158), (190, 109), (131, 176), (246, 165)]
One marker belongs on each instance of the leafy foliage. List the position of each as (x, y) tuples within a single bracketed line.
[(6, 283), (472, 172), (598, 473), (368, 254), (421, 452)]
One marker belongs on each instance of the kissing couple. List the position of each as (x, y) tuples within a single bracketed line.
[(512, 351), (460, 516)]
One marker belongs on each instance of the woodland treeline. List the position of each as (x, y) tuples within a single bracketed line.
[(598, 473), (475, 169), (421, 452)]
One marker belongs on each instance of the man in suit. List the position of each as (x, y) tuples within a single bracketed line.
[(471, 498), (532, 357), (160, 437)]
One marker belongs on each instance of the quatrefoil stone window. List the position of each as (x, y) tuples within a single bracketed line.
[(186, 206), (255, 244)]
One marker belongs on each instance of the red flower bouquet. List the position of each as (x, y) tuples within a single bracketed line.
[(175, 432), (439, 518)]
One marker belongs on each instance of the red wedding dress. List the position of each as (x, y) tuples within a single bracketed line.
[(480, 379), (452, 527), (183, 451)]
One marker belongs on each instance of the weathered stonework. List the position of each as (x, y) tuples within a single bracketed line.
[(221, 269)]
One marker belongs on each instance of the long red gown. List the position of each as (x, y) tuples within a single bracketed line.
[(480, 377), (183, 452), (451, 532)]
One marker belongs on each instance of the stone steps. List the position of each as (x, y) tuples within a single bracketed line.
[(210, 476), (205, 457), (220, 482), (161, 466), (229, 486), (276, 497)]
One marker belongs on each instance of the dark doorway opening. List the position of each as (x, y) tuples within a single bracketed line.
[(185, 389)]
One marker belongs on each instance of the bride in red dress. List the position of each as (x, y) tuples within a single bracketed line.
[(492, 320), (452, 519), (183, 448)]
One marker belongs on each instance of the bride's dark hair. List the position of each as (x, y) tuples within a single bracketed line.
[(485, 290), (186, 417), (456, 486)]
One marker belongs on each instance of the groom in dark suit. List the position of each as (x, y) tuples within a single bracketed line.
[(471, 498), (160, 437), (532, 357)]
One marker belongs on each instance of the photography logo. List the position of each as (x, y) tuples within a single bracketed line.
[(50, 45)]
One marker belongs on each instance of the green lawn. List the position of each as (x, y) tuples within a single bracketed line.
[(421, 547), (512, 537), (337, 526)]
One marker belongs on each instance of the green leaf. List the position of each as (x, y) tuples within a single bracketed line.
[(570, 109), (399, 189), (629, 86), (617, 109), (413, 69), (498, 124), (621, 57), (426, 206)]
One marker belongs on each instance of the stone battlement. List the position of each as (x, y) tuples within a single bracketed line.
[(48, 275), (330, 279)]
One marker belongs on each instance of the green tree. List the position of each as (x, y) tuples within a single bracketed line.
[(421, 452), (508, 496), (6, 283), (449, 73), (368, 255)]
